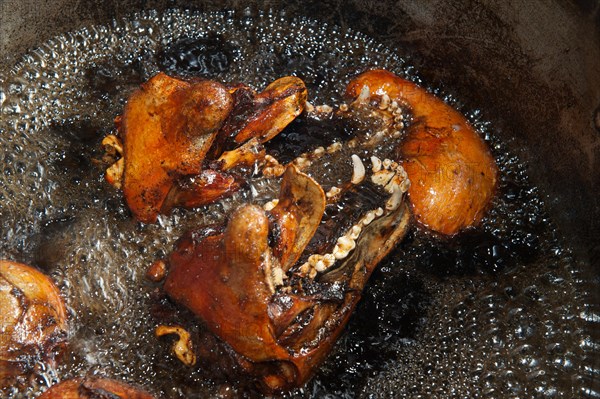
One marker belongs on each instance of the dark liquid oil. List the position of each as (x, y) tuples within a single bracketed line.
[(497, 311)]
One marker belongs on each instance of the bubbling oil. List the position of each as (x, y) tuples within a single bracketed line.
[(496, 312)]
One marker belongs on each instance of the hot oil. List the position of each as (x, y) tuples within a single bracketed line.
[(493, 312)]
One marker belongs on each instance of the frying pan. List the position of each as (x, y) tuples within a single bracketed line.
[(533, 67)]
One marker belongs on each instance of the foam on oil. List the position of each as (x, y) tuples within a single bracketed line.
[(498, 312)]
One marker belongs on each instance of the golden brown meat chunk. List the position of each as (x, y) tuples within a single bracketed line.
[(178, 139), (245, 282), (167, 128), (453, 175), (94, 388), (33, 319)]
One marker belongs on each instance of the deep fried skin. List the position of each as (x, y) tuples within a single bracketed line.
[(33, 319), (167, 127), (172, 128), (452, 172), (93, 388)]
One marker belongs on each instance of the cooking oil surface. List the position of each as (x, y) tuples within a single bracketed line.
[(494, 312)]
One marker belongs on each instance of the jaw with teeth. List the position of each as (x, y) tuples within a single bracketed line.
[(258, 286)]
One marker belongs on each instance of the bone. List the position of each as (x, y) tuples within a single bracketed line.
[(182, 348), (114, 173), (277, 276), (358, 171)]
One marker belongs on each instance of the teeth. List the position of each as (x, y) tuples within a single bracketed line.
[(314, 259), (385, 102), (392, 185), (382, 177), (317, 263), (368, 218), (364, 95), (376, 164), (270, 205), (394, 201), (334, 147), (333, 192), (319, 151), (324, 109), (387, 163), (302, 163), (277, 276), (328, 260), (343, 247), (320, 263), (405, 185), (275, 171), (113, 142), (309, 107), (320, 266), (305, 268), (358, 172), (355, 232), (343, 107)]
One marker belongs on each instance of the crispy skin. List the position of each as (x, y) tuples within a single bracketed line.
[(205, 188), (275, 107), (224, 283), (453, 175), (93, 388), (167, 126), (33, 319)]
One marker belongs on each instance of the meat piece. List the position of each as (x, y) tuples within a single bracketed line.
[(178, 138), (33, 322), (245, 285), (168, 126), (94, 388), (453, 175)]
